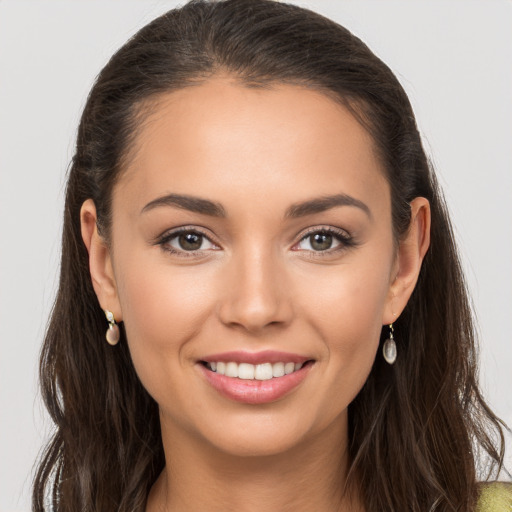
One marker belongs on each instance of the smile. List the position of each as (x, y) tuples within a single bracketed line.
[(247, 371), (255, 378)]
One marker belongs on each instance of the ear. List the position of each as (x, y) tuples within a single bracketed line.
[(410, 254), (100, 262)]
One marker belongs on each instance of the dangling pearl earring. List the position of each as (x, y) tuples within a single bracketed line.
[(389, 347), (112, 334)]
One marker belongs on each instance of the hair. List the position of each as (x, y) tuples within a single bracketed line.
[(415, 429)]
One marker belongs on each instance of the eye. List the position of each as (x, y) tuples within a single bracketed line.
[(324, 240), (186, 241)]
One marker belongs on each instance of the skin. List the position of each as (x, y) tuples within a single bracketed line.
[(257, 284)]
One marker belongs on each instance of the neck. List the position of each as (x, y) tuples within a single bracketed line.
[(310, 476)]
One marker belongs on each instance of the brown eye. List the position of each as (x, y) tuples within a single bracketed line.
[(321, 241), (328, 240), (190, 241), (187, 241)]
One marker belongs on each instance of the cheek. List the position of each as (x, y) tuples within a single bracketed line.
[(345, 308), (163, 307), (348, 299)]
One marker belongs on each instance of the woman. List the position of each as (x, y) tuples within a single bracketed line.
[(252, 224)]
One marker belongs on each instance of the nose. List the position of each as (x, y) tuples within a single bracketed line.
[(256, 295)]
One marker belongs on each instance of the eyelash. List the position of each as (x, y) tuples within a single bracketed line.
[(164, 240), (345, 239)]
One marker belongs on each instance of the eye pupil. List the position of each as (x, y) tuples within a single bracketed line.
[(321, 241), (190, 241)]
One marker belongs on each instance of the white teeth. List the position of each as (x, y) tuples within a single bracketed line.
[(277, 369), (246, 371), (263, 371), (231, 370), (289, 368)]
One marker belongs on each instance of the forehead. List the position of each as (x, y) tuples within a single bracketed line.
[(221, 137)]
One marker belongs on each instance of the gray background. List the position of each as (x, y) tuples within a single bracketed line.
[(453, 57)]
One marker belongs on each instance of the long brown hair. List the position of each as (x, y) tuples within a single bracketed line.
[(415, 428)]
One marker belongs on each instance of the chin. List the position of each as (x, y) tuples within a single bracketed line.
[(258, 442), (265, 433)]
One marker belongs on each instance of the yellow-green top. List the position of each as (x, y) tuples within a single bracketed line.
[(495, 497)]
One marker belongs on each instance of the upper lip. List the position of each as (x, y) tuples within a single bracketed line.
[(266, 356)]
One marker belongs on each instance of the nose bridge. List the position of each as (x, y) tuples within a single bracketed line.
[(255, 294)]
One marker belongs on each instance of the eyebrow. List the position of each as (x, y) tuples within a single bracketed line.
[(321, 204), (207, 207), (191, 203)]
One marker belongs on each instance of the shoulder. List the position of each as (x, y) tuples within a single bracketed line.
[(495, 497)]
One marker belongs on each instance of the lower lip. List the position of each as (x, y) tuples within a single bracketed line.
[(255, 391)]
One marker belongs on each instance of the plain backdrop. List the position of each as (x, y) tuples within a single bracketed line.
[(454, 58)]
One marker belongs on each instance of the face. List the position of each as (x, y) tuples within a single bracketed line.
[(252, 236)]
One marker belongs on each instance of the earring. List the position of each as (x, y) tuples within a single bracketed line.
[(112, 334), (389, 347)]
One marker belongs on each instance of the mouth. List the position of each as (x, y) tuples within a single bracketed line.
[(255, 378), (248, 371)]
